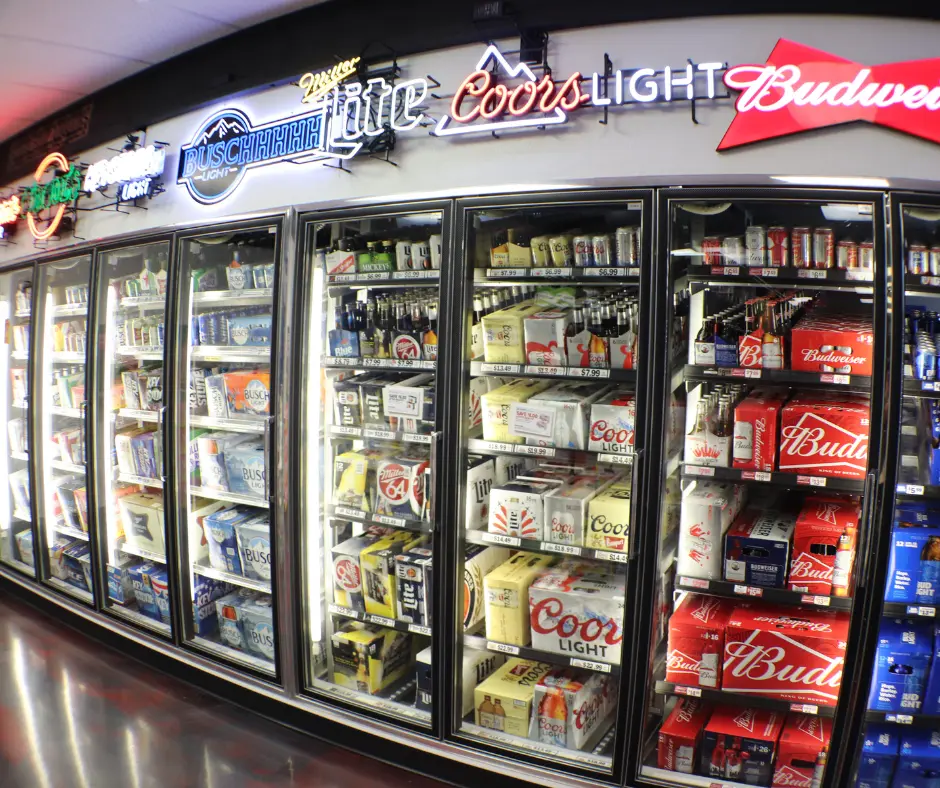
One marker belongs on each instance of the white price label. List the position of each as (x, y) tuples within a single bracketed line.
[(417, 629), (692, 692), (502, 369), (373, 362), (551, 273), (740, 589), (414, 274), (600, 667), (699, 470), (386, 520), (355, 431), (931, 281), (535, 451), (693, 582), (412, 437), (506, 273), (805, 708), (617, 558), (730, 270), (566, 549), (509, 541), (859, 275), (900, 719), (502, 648), (810, 273), (812, 481), (819, 601), (343, 611), (616, 459), (588, 372), (386, 435), (605, 272), (553, 372), (762, 476), (497, 446), (914, 489), (343, 361), (928, 385), (769, 272), (531, 421), (752, 373), (382, 621), (405, 401), (346, 511), (842, 380)]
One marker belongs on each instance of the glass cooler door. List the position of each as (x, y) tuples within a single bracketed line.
[(223, 414), (130, 412), (550, 422), (367, 453), (767, 497), (16, 535), (60, 424)]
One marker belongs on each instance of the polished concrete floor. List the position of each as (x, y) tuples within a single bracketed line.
[(74, 714)]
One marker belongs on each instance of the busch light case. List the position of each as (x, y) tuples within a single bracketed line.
[(879, 756), (254, 545), (223, 543), (244, 465), (902, 661), (257, 620)]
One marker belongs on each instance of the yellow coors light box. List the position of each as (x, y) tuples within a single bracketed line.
[(369, 658), (503, 701)]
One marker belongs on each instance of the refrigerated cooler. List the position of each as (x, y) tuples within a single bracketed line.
[(16, 535)]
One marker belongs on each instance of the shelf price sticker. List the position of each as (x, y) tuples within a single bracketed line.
[(535, 451), (339, 610), (506, 448), (599, 667), (414, 437), (414, 274), (756, 476), (417, 629), (912, 489), (382, 621), (804, 708), (748, 590), (502, 369), (346, 511), (588, 372), (550, 273), (900, 719), (506, 273), (343, 361), (693, 582), (606, 272), (554, 372), (509, 541), (616, 459), (386, 435), (399, 522), (769, 272), (917, 610), (617, 558), (693, 692), (699, 470), (811, 273), (354, 431), (858, 275), (752, 374), (730, 270), (565, 549), (930, 385), (812, 481), (819, 601), (502, 648)]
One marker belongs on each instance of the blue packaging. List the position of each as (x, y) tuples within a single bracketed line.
[(205, 592), (932, 691), (146, 450), (74, 573), (917, 513), (223, 543), (250, 330), (229, 615), (902, 662), (726, 353), (904, 572), (244, 466), (146, 602), (879, 756), (161, 593), (257, 620), (120, 587), (920, 755), (254, 544)]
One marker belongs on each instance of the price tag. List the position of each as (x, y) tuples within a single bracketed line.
[(588, 372), (771, 272), (762, 476), (413, 437), (502, 369), (355, 431), (804, 708), (341, 361), (752, 374), (553, 372), (693, 582), (819, 601), (617, 558), (600, 667), (400, 522), (931, 281), (551, 273), (699, 470), (382, 621), (346, 511), (730, 270), (616, 459), (496, 446), (914, 489), (900, 719), (858, 275), (419, 630), (604, 272), (343, 611), (414, 274), (502, 648), (506, 273), (693, 692), (536, 451), (379, 434), (929, 385), (374, 362), (740, 590), (810, 273), (566, 549), (812, 481), (509, 541)]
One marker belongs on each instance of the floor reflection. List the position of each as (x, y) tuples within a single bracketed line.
[(74, 714)]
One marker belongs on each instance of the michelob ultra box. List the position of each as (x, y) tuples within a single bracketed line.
[(413, 572), (369, 658), (504, 335), (516, 509), (497, 404), (504, 701), (142, 517), (479, 561), (608, 526), (506, 591), (377, 564)]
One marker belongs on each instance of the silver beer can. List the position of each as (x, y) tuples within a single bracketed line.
[(866, 255), (583, 250), (628, 247), (755, 239), (918, 260), (933, 260), (602, 252), (732, 249)]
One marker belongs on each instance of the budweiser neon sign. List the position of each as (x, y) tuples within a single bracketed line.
[(800, 88)]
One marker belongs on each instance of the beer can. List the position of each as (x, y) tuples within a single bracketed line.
[(628, 247), (583, 250), (933, 260), (560, 247), (925, 362), (778, 246), (801, 247), (711, 250), (866, 255), (436, 247), (755, 238), (541, 251), (403, 260), (602, 250), (918, 262), (847, 255), (824, 248), (732, 249), (421, 256)]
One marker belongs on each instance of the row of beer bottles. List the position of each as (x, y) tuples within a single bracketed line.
[(380, 317)]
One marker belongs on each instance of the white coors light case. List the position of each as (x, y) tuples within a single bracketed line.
[(548, 422), (765, 487)]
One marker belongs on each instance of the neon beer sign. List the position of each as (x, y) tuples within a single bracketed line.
[(53, 195), (318, 85)]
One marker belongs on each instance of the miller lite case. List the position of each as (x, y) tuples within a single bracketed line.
[(377, 564), (739, 744), (516, 509), (902, 662), (413, 573), (481, 475), (680, 735)]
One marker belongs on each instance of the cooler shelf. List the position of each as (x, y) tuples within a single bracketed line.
[(368, 518), (927, 389), (69, 467), (129, 613), (394, 364), (785, 275), (70, 310), (535, 546), (75, 533), (384, 278), (253, 426), (382, 621), (143, 302), (667, 777), (247, 297), (918, 490), (742, 699), (780, 596), (229, 497), (228, 353), (23, 514), (368, 433), (22, 456), (230, 577), (139, 415), (70, 590), (234, 655), (72, 413), (19, 355), (781, 376), (141, 354), (585, 758), (141, 552), (922, 285), (902, 610), (586, 275), (478, 368), (482, 644), (479, 446), (68, 357), (916, 720), (791, 481), (383, 705), (144, 481)]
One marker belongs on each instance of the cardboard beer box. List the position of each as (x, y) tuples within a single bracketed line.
[(504, 333), (566, 510), (481, 475), (377, 563), (120, 585), (479, 561), (150, 386), (824, 437), (257, 620), (506, 591), (571, 706), (919, 759), (424, 680), (245, 468), (509, 468), (880, 749), (577, 613), (510, 255), (24, 545), (497, 405), (347, 574), (340, 262), (820, 524), (205, 593), (248, 394), (545, 338), (413, 572), (608, 524), (161, 593), (754, 445), (229, 617), (902, 662), (368, 658), (504, 700), (803, 738), (250, 330), (565, 408), (757, 548), (200, 508), (478, 387), (347, 410), (400, 486), (142, 517), (210, 450), (680, 736), (143, 591), (740, 744), (72, 560), (907, 581), (477, 666), (124, 450), (516, 509), (131, 386), (221, 536), (354, 478), (832, 343), (613, 423), (707, 512), (697, 641), (254, 547)]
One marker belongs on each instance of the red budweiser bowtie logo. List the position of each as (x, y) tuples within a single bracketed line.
[(801, 88)]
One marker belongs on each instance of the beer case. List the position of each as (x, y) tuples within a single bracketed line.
[(697, 641), (510, 255), (821, 522), (377, 563), (250, 330), (481, 475), (504, 700), (143, 591), (400, 487), (205, 593), (413, 572), (257, 620), (142, 517), (680, 736), (73, 557), (346, 400), (340, 262), (832, 343), (368, 658), (566, 510), (210, 450), (577, 613), (150, 388), (354, 478), (880, 749), (754, 445), (506, 591), (545, 338), (120, 586), (424, 681), (508, 468), (161, 593), (902, 663), (497, 405), (198, 541), (254, 547), (248, 394), (757, 548), (932, 692), (742, 742), (516, 509), (570, 707), (220, 528), (803, 738), (229, 615), (613, 423), (919, 759), (504, 333), (707, 512), (347, 575), (910, 578), (825, 437), (569, 403), (479, 561), (608, 524), (245, 469)]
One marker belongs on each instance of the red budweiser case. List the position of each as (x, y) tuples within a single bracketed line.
[(821, 522), (696, 641), (681, 735), (772, 654), (755, 433), (739, 744), (831, 343), (824, 437), (804, 736)]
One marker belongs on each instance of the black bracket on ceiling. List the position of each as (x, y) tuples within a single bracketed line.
[(608, 72)]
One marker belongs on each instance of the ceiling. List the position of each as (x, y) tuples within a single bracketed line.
[(55, 52)]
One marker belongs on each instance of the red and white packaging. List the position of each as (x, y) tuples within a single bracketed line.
[(825, 437), (821, 522), (755, 432), (681, 734), (739, 744), (697, 641), (770, 653), (613, 423), (570, 705), (821, 342), (803, 738), (707, 511)]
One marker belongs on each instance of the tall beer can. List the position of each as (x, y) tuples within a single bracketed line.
[(801, 247), (755, 239), (847, 255), (732, 250), (918, 262), (711, 250), (603, 254), (778, 247), (560, 247), (933, 260), (866, 255), (541, 251), (583, 250), (823, 248), (628, 247)]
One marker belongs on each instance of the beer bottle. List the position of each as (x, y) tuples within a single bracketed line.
[(705, 343), (842, 567), (477, 309), (598, 350), (429, 349), (487, 304), (771, 350), (576, 326), (695, 439), (402, 318)]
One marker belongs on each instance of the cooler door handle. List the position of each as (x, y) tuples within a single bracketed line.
[(432, 488), (634, 497), (865, 543), (267, 459), (161, 421), (84, 410)]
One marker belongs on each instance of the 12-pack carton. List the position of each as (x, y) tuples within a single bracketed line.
[(497, 404), (479, 561), (570, 707), (516, 509), (545, 338), (368, 658), (254, 547), (504, 701), (347, 575), (608, 524), (142, 517), (506, 591), (558, 416), (504, 333), (413, 572), (377, 563)]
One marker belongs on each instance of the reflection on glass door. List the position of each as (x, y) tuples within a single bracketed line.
[(551, 416), (16, 535), (224, 416), (62, 322), (764, 497), (132, 299), (371, 418)]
